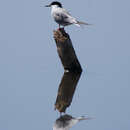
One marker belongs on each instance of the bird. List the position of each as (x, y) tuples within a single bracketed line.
[(65, 122), (62, 16)]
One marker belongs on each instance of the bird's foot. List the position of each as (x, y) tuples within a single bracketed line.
[(60, 28)]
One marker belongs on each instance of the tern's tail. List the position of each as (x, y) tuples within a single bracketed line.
[(78, 23), (84, 118)]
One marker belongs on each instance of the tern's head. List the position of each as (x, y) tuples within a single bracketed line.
[(54, 3)]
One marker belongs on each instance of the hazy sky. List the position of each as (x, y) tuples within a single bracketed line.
[(30, 70)]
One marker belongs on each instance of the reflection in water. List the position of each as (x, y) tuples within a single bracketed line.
[(69, 80), (66, 90), (65, 122)]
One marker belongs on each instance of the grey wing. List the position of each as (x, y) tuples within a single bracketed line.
[(61, 16), (68, 17), (64, 18), (65, 11)]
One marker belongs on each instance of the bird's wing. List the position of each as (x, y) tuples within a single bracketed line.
[(65, 11), (67, 16)]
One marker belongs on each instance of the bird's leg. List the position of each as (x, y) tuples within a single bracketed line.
[(63, 27), (62, 113), (59, 27)]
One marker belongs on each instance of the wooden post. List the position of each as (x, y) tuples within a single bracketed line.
[(72, 70), (66, 51)]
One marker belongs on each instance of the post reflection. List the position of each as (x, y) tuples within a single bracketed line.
[(66, 90)]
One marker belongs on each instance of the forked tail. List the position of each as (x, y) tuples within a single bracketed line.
[(78, 23), (84, 118)]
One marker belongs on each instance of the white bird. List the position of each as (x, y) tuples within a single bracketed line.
[(65, 122), (61, 16)]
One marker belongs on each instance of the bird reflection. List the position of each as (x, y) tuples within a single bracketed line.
[(65, 122), (66, 90)]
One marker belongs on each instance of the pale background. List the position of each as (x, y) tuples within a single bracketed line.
[(30, 70)]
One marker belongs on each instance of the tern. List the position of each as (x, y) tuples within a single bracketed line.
[(65, 122), (62, 17)]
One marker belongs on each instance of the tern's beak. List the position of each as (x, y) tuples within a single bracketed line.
[(47, 5)]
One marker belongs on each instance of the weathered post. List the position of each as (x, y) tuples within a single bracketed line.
[(66, 51), (72, 70)]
